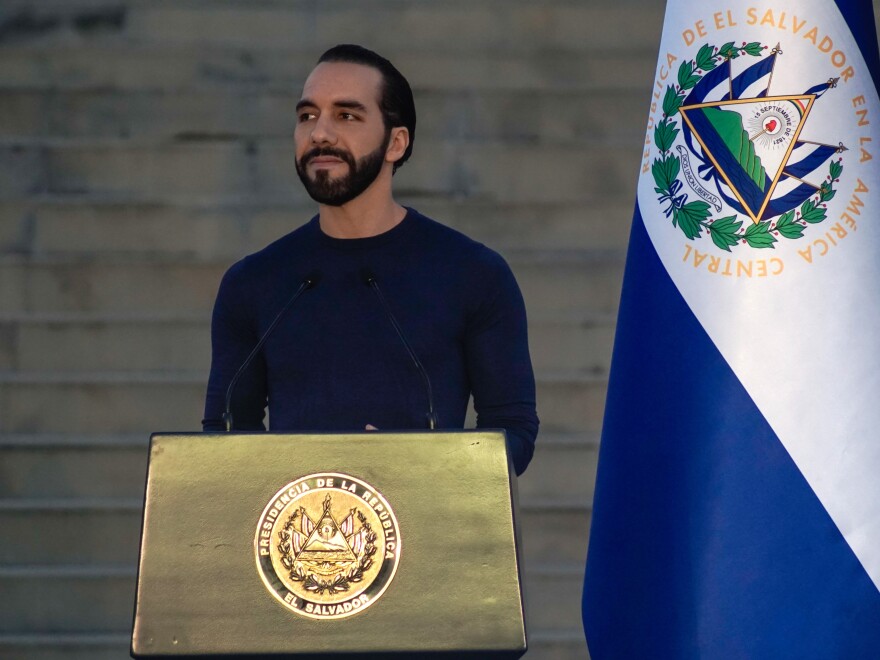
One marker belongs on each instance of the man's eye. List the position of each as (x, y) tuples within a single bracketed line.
[(306, 116), (347, 116)]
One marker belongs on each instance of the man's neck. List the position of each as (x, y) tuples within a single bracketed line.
[(362, 217)]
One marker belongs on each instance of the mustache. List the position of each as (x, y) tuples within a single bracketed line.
[(327, 151)]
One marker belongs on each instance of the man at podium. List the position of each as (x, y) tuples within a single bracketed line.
[(370, 315)]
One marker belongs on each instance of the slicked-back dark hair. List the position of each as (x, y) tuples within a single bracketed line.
[(395, 97)]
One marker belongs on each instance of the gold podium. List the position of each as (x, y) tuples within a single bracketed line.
[(353, 545)]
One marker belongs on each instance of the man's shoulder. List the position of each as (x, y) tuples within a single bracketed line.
[(466, 249)]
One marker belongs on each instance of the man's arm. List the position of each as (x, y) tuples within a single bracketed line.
[(498, 362), (233, 336)]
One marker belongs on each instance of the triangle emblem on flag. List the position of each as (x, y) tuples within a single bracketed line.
[(749, 142)]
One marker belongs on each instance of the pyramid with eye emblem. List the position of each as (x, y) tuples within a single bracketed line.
[(324, 541)]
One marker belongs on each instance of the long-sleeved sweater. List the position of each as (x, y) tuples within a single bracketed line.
[(335, 362)]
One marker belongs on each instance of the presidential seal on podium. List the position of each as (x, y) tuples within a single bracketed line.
[(327, 545)]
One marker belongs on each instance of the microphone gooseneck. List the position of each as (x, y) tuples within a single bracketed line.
[(369, 278), (309, 282)]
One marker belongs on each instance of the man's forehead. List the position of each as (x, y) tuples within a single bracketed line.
[(332, 81)]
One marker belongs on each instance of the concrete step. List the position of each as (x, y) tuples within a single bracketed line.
[(88, 226), (104, 402), (486, 26), (37, 342), (560, 284), (571, 403), (149, 67), (113, 285), (137, 402), (193, 171), (479, 28), (59, 467), (99, 599), (101, 342), (553, 283), (531, 173), (175, 171), (577, 343), (66, 646), (553, 597), (70, 531), (615, 116), (555, 530), (564, 466), (107, 530)]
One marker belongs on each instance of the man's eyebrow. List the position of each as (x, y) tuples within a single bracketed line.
[(351, 105), (344, 103)]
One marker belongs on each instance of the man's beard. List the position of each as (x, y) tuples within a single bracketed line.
[(339, 191)]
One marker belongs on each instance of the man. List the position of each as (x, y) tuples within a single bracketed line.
[(335, 360)]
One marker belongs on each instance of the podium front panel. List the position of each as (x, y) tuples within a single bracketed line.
[(455, 585)]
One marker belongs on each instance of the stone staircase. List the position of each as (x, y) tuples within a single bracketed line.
[(145, 146)]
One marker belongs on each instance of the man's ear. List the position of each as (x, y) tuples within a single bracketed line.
[(397, 144)]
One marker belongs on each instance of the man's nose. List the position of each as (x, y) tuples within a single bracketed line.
[(322, 131)]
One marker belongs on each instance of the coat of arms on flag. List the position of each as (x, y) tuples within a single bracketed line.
[(742, 150)]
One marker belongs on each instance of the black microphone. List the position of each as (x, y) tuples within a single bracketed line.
[(309, 282), (369, 278)]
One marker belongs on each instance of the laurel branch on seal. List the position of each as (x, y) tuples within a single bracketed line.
[(339, 583), (692, 218)]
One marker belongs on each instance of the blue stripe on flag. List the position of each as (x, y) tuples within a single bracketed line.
[(810, 163), (818, 90), (708, 83), (788, 201), (706, 540), (748, 77)]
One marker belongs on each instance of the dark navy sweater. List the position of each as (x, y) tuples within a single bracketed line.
[(335, 363)]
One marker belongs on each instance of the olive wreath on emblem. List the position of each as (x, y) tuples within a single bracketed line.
[(693, 217), (341, 582)]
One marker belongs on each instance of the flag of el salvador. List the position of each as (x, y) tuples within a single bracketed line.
[(737, 502)]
